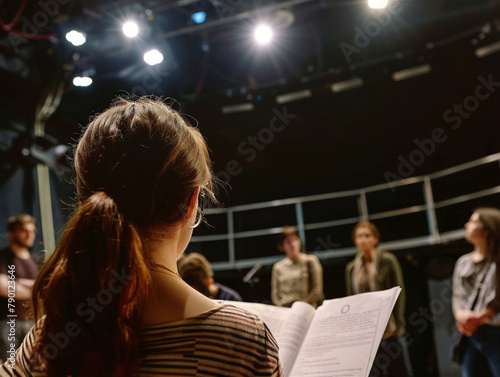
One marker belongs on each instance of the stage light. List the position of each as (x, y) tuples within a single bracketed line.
[(75, 38), (46, 150), (293, 96), (377, 4), (82, 81), (130, 29), (481, 52), (199, 17), (346, 85), (263, 34), (153, 57), (239, 108), (411, 72)]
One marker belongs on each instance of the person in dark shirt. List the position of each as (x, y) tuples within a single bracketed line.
[(196, 270), (18, 270)]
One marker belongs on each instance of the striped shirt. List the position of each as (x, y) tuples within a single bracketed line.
[(225, 341)]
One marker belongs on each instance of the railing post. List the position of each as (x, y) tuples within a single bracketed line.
[(300, 221), (363, 206), (45, 108), (230, 238), (431, 210)]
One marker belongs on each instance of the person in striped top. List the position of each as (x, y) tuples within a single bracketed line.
[(109, 300)]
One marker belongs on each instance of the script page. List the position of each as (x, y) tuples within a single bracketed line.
[(344, 335), (288, 325), (293, 333), (272, 315)]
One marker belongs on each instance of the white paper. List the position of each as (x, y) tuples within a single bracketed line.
[(339, 339), (344, 336), (272, 315)]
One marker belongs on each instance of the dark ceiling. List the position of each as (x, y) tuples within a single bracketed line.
[(329, 141)]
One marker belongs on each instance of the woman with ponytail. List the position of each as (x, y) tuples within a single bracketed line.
[(109, 301)]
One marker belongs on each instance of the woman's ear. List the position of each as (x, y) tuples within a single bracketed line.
[(193, 203)]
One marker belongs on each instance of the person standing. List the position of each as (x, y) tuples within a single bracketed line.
[(18, 270), (473, 289), (299, 276), (109, 301), (374, 270)]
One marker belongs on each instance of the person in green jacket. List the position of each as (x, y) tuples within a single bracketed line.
[(374, 270)]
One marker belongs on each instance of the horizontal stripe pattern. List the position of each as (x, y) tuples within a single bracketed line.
[(225, 341), (23, 366)]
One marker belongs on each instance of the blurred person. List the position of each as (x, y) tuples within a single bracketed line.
[(18, 270), (473, 289), (196, 270), (109, 301), (375, 270), (493, 307), (299, 276)]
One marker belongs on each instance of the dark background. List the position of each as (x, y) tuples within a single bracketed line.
[(333, 141)]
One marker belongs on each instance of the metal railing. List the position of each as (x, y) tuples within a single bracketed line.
[(413, 212)]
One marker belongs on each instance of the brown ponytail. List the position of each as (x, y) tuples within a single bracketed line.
[(91, 291)]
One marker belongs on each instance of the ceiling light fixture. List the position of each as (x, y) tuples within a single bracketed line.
[(153, 57), (481, 52), (346, 85), (76, 38), (199, 17), (411, 72), (293, 96), (377, 4), (82, 81), (130, 29), (239, 108), (263, 34)]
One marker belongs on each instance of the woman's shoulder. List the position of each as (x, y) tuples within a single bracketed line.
[(228, 339), (22, 363), (233, 316), (223, 315), (227, 309), (464, 259), (213, 324), (230, 311)]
